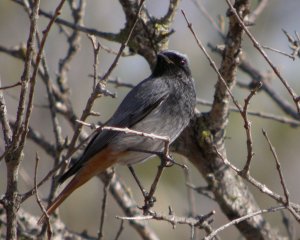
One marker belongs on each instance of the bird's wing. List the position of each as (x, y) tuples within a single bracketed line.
[(138, 103)]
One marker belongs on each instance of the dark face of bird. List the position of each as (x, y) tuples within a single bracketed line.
[(171, 62)]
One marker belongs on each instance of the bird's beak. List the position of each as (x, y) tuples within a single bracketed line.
[(168, 60)]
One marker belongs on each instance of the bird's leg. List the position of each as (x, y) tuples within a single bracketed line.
[(143, 190), (166, 161)]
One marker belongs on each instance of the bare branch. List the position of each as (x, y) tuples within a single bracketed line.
[(269, 116), (260, 49), (243, 218), (15, 148), (263, 188), (201, 221)]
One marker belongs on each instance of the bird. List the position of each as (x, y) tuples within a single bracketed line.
[(162, 104)]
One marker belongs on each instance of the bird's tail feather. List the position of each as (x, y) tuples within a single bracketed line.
[(95, 165)]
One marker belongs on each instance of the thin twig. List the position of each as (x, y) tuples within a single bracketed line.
[(247, 126), (243, 218), (96, 49), (53, 171), (191, 201), (257, 76), (118, 83), (120, 230), (212, 63), (190, 194), (278, 51), (294, 208), (129, 206), (269, 116), (205, 191), (26, 73), (150, 199), (144, 192), (282, 181), (36, 68), (77, 9), (10, 86), (52, 104), (49, 229), (203, 10), (6, 129), (104, 203), (165, 139), (78, 27), (278, 166), (197, 221)]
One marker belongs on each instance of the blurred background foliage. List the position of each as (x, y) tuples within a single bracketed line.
[(82, 210)]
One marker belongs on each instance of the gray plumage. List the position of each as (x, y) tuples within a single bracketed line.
[(162, 104)]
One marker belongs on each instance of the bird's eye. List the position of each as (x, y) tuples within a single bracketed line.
[(182, 61)]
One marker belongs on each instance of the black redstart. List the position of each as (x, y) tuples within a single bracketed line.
[(162, 104)]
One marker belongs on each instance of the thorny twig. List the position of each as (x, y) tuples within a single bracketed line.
[(200, 221)]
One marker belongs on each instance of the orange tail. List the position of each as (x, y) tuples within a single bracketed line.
[(93, 166)]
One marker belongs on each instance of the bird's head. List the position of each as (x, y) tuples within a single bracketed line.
[(171, 62)]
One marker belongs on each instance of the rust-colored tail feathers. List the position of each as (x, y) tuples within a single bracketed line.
[(93, 166)]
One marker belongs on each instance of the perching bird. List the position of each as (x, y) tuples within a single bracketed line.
[(162, 104)]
